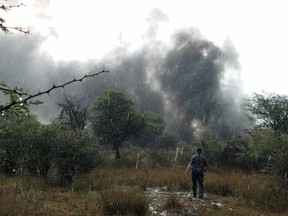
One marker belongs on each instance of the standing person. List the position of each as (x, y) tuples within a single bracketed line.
[(198, 164)]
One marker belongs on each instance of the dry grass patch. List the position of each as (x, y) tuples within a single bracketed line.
[(172, 202), (18, 197), (107, 178), (124, 202), (122, 191), (255, 190)]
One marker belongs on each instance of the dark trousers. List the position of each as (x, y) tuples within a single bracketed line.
[(197, 177)]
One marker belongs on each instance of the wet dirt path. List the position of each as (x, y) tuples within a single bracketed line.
[(158, 203)]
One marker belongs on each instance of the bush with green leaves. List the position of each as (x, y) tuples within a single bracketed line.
[(268, 152), (167, 140), (249, 161), (151, 134), (16, 138), (212, 148), (27, 145), (74, 153), (161, 158)]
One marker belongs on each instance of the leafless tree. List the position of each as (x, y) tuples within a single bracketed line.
[(74, 110)]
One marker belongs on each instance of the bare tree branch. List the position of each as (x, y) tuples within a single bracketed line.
[(19, 101), (8, 7), (7, 29)]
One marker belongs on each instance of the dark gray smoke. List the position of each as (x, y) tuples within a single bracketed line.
[(22, 64), (184, 81), (184, 84), (129, 76), (191, 75)]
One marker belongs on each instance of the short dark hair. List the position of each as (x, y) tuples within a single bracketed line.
[(199, 150)]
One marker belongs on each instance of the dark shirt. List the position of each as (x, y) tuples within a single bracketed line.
[(199, 162)]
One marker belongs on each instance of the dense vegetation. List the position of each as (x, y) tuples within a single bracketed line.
[(78, 149), (78, 140)]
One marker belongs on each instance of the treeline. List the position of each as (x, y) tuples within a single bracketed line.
[(83, 138), (80, 139), (264, 148)]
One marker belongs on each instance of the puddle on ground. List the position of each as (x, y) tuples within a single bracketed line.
[(158, 198)]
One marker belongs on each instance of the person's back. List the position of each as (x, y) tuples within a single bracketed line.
[(198, 164)]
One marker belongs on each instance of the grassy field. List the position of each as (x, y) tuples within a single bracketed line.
[(121, 191)]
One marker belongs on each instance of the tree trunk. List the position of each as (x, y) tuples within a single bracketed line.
[(117, 153)]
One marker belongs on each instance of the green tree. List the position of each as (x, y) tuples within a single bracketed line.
[(235, 147), (115, 119), (18, 134), (268, 151), (74, 153), (27, 145), (167, 141), (40, 152), (212, 147), (269, 111), (70, 151), (152, 132)]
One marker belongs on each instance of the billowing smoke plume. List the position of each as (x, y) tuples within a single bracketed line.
[(190, 82), (185, 84)]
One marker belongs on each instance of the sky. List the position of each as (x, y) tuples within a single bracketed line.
[(247, 41), (256, 28)]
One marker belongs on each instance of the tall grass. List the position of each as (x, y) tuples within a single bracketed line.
[(256, 190), (124, 202), (28, 196), (173, 178), (122, 191)]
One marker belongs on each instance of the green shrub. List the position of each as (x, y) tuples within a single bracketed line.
[(167, 141), (270, 149), (248, 162), (161, 158)]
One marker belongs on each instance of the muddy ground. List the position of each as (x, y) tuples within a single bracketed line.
[(159, 197)]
